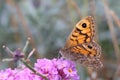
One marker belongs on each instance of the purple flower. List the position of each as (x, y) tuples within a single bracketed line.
[(16, 74), (23, 74), (47, 68), (6, 74), (18, 54), (57, 69), (70, 73)]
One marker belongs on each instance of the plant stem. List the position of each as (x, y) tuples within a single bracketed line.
[(32, 69)]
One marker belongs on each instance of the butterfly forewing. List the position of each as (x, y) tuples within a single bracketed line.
[(83, 32)]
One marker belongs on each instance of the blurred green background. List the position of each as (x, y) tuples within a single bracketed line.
[(49, 22)]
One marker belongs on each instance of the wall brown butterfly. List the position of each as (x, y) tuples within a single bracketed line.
[(81, 46)]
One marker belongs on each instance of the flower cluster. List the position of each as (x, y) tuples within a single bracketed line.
[(16, 74), (55, 69)]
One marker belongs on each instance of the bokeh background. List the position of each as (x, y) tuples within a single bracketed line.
[(49, 22)]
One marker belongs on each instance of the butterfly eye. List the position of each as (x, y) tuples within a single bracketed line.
[(84, 25), (90, 47)]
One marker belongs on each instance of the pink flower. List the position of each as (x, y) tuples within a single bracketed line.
[(47, 68), (57, 69), (7, 74), (24, 74)]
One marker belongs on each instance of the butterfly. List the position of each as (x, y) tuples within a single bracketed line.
[(81, 46)]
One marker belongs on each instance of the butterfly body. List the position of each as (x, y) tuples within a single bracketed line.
[(81, 46)]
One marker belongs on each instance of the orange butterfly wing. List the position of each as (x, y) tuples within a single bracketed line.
[(80, 46), (83, 32)]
